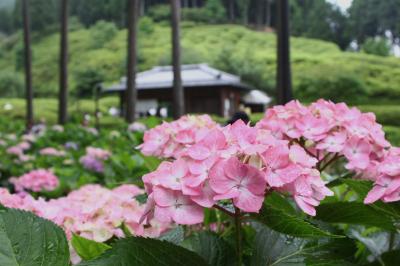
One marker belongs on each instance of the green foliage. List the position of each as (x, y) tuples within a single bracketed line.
[(282, 220), (213, 248), (232, 48), (160, 13), (146, 25), (215, 11), (273, 248), (27, 240), (101, 33), (353, 213), (11, 84), (87, 81), (330, 84), (376, 46), (145, 251), (88, 249)]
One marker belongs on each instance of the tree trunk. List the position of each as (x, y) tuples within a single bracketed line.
[(268, 13), (259, 13), (178, 93), (231, 10), (131, 92), (284, 81), (63, 93), (28, 63)]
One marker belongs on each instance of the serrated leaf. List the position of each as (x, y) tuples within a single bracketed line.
[(27, 240), (353, 213), (279, 202), (390, 258), (88, 249), (215, 250), (135, 251), (362, 187), (274, 248), (288, 223), (175, 235)]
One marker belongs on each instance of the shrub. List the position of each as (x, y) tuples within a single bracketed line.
[(337, 87), (146, 25), (160, 13), (11, 84), (87, 80), (385, 114), (102, 32), (376, 46)]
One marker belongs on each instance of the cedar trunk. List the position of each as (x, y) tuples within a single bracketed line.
[(28, 63), (178, 93), (284, 80), (63, 92), (131, 92)]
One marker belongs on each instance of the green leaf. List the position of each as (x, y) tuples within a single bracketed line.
[(151, 163), (390, 258), (280, 202), (362, 187), (288, 223), (215, 250), (88, 249), (274, 248), (174, 236), (353, 213), (26, 240), (135, 251)]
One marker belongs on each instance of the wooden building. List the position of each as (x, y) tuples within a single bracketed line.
[(207, 90)]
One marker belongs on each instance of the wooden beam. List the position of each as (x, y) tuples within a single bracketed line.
[(284, 80), (28, 64)]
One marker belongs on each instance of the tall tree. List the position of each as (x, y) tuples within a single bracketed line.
[(284, 79), (28, 63), (63, 91), (178, 93), (131, 92)]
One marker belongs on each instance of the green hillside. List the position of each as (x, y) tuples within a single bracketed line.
[(320, 69)]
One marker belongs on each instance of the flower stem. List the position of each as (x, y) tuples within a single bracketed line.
[(238, 231)]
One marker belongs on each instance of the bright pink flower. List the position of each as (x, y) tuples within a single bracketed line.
[(243, 183)]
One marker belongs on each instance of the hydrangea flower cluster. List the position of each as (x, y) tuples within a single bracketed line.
[(137, 127), (93, 212), (36, 181), (387, 183), (50, 151), (285, 152), (94, 159), (169, 139), (329, 129)]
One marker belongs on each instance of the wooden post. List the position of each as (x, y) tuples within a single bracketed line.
[(63, 92), (178, 93), (284, 80), (131, 92), (28, 64)]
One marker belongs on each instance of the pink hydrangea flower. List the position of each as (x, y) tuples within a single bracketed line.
[(245, 184), (36, 181), (94, 159), (50, 151)]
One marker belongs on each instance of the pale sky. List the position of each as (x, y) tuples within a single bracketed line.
[(343, 4)]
